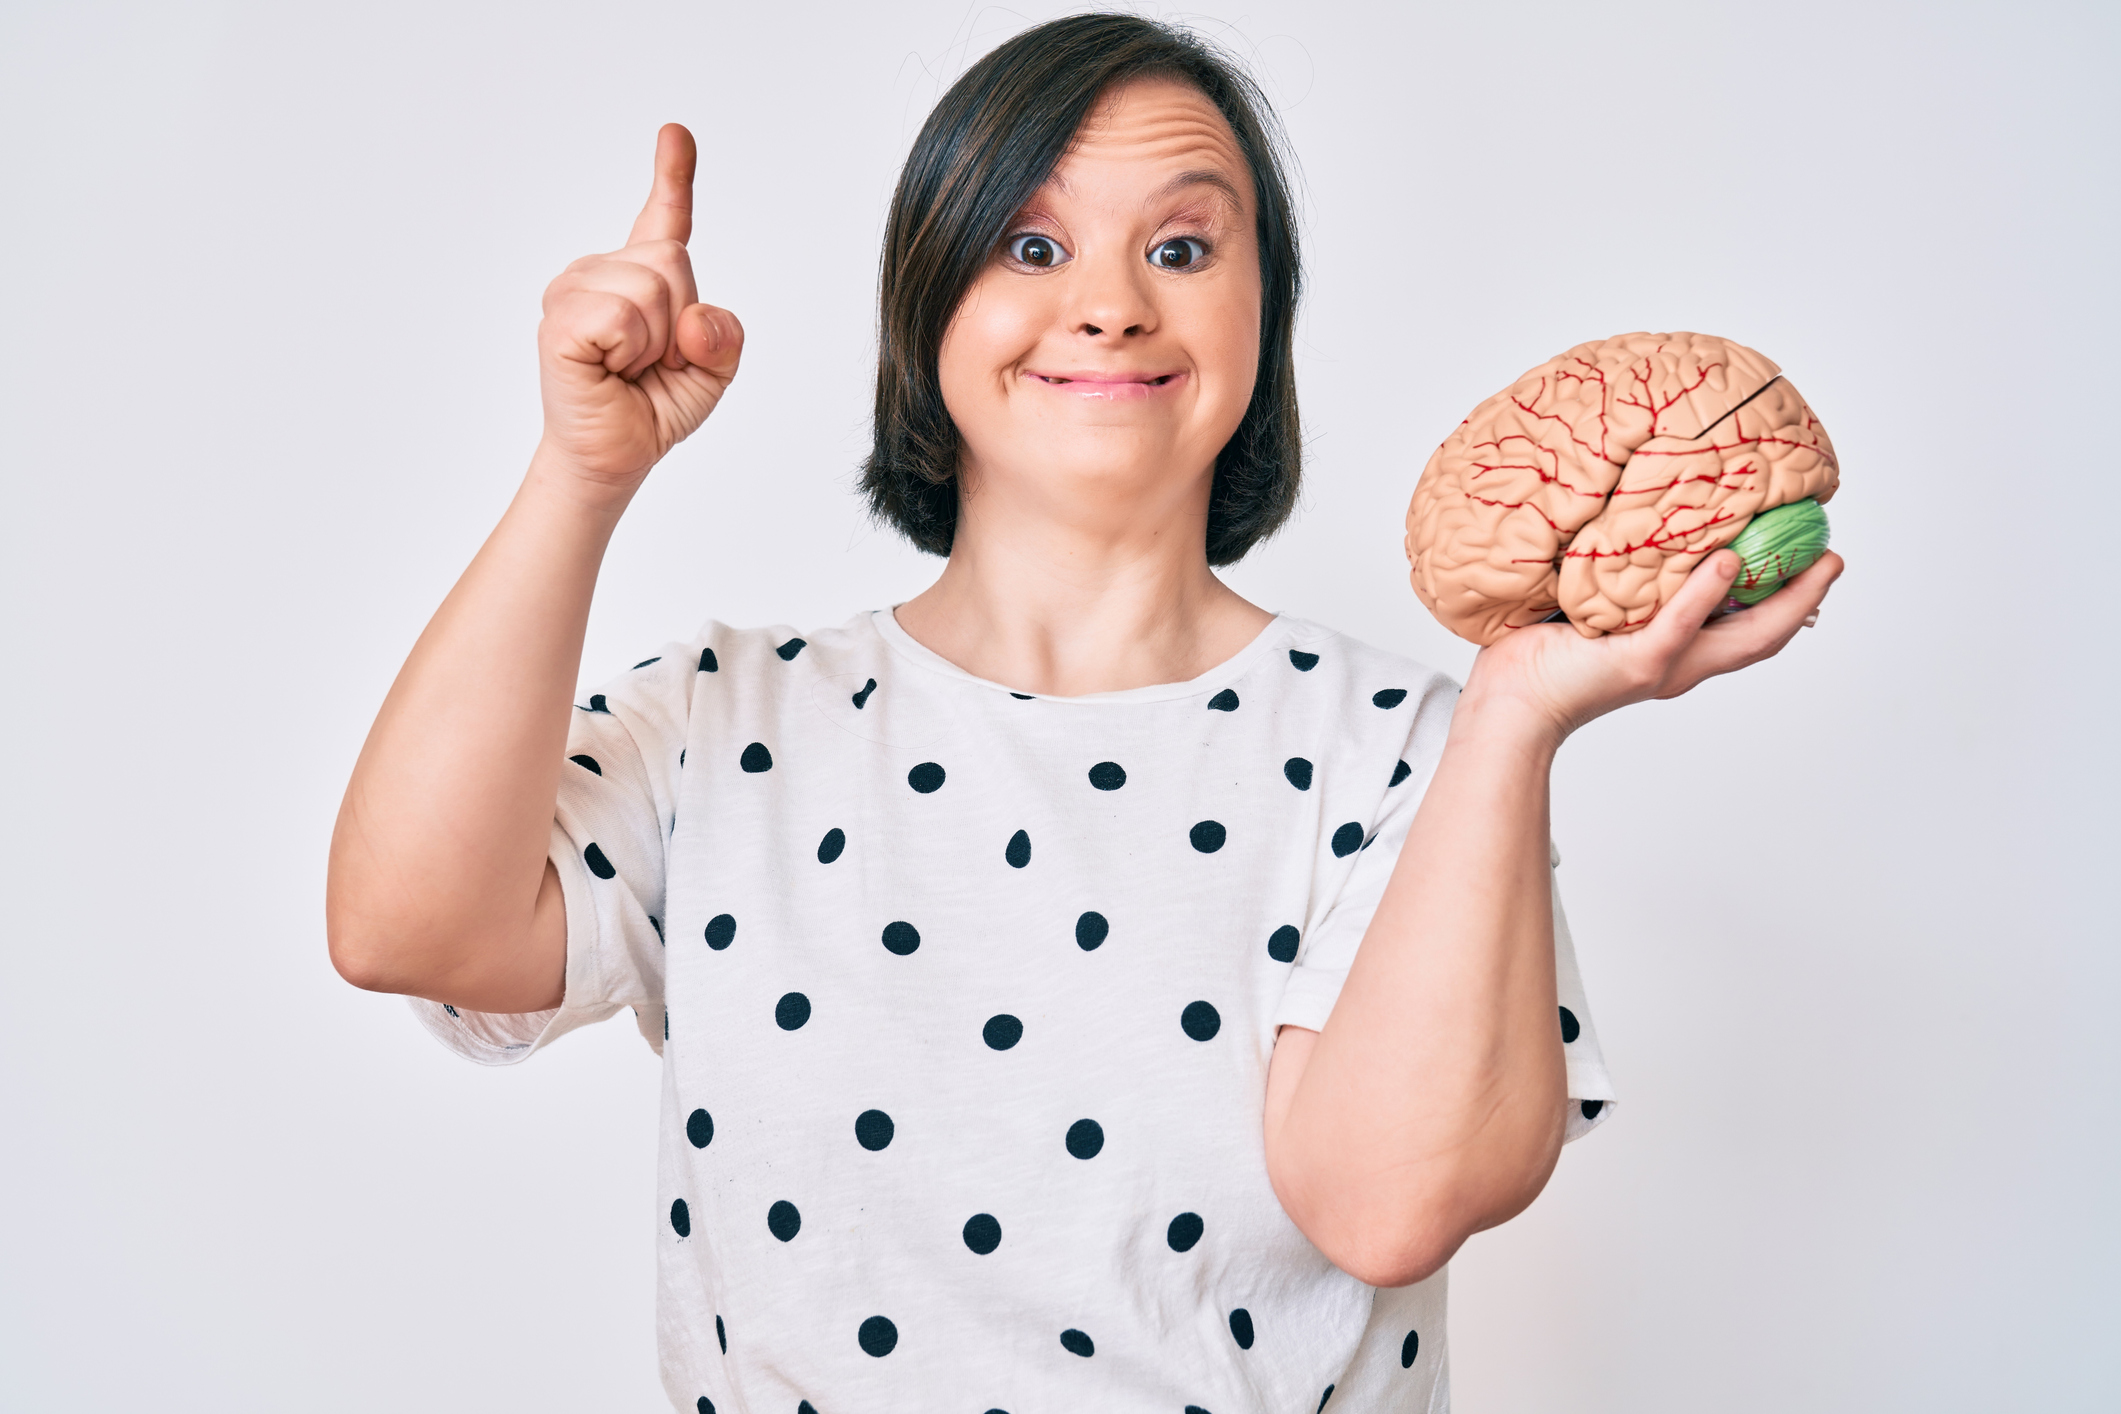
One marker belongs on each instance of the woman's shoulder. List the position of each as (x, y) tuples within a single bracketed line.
[(1357, 669), (716, 642)]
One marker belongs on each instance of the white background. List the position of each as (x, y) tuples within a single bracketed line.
[(268, 281)]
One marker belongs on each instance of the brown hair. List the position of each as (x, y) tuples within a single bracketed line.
[(989, 145)]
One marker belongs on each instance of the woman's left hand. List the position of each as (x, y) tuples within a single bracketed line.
[(1568, 680)]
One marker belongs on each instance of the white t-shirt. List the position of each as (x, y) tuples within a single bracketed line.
[(965, 999)]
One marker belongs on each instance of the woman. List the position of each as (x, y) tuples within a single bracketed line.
[(1077, 987)]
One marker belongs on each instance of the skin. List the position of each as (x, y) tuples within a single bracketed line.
[(1093, 380)]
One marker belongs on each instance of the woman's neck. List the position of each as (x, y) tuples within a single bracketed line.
[(1067, 609)]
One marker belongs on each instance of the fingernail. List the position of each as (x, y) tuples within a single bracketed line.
[(714, 333)]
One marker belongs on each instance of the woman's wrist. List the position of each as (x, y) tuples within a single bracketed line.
[(555, 482), (1496, 716)]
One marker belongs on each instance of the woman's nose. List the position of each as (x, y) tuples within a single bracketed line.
[(1110, 297)]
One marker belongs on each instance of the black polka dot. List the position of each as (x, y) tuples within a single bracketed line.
[(1347, 839), (588, 763), (756, 758), (1208, 836), (1185, 1230), (1304, 661), (1201, 1021), (1391, 697), (598, 864), (708, 664), (805, 1407), (1571, 1028), (1076, 1343), (1224, 701), (452, 1011), (1019, 851), (646, 661), (666, 1023), (829, 848), (873, 1130), (861, 699), (878, 1337), (788, 650), (657, 924), (1195, 1409), (927, 778), (1281, 944), (681, 758), (705, 1405), (721, 1335), (680, 1218), (783, 1221), (1108, 775), (1241, 1328), (901, 938), (1324, 1397), (1021, 696), (791, 1011), (1408, 1349), (597, 704), (1298, 772), (721, 931), (1085, 1138), (699, 1128), (1591, 1108), (1090, 930), (1002, 1031), (982, 1233), (1399, 773)]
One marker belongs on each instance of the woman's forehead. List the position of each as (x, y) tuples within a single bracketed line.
[(1148, 131)]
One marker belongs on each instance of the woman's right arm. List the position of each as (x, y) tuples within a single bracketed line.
[(439, 884)]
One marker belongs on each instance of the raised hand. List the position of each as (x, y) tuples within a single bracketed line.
[(1569, 679), (629, 361)]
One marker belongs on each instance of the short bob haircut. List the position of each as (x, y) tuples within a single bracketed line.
[(990, 144)]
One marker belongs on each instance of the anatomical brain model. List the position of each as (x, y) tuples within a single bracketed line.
[(1594, 483)]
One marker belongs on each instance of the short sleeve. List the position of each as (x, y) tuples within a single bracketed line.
[(1591, 1097), (1336, 929), (1322, 967), (612, 823)]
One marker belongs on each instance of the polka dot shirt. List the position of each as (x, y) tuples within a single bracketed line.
[(965, 999)]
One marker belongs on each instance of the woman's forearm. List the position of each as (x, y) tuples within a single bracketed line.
[(1430, 1106), (438, 859)]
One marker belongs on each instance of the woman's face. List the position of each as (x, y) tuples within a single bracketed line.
[(1108, 351)]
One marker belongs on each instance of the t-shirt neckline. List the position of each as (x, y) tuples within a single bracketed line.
[(887, 627)]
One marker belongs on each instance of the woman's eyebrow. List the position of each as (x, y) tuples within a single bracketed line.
[(1204, 177)]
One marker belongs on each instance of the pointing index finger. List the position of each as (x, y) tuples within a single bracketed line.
[(668, 214)]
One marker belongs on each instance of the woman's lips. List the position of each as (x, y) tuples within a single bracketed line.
[(1105, 386)]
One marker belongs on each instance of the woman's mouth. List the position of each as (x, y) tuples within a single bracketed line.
[(1105, 385)]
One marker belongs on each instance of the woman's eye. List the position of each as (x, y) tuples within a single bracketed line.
[(1036, 250), (1178, 253)]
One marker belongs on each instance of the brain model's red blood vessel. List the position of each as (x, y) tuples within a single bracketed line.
[(1595, 482)]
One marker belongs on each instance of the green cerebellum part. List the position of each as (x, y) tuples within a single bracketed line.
[(1776, 545)]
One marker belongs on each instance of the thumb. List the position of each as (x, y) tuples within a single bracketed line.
[(711, 340), (1685, 612)]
